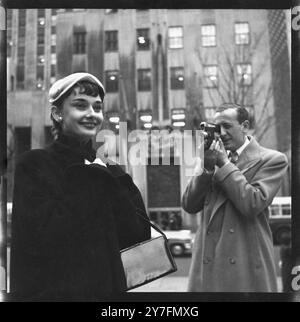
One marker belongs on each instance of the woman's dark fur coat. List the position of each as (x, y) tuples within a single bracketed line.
[(69, 222)]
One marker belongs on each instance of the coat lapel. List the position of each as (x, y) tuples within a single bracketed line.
[(248, 159)]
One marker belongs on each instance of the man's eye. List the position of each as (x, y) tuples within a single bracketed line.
[(97, 107)]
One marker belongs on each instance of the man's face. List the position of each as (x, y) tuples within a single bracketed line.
[(232, 132), (82, 115)]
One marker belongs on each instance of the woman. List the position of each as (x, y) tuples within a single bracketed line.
[(71, 213)]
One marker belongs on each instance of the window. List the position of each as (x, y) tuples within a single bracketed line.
[(79, 42), (21, 51), (53, 70), (242, 33), (244, 72), (53, 20), (177, 78), (175, 37), (41, 60), (209, 113), (41, 36), (40, 50), (20, 76), (144, 79), (40, 72), (109, 11), (53, 59), (9, 32), (41, 12), (112, 81), (142, 39), (53, 40), (208, 33), (211, 76), (41, 22), (22, 18), (111, 40)]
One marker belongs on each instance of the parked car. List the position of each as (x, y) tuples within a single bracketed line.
[(180, 241), (280, 214)]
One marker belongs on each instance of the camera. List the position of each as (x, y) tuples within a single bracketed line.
[(210, 130)]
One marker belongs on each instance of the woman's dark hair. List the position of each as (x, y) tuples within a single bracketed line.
[(85, 87)]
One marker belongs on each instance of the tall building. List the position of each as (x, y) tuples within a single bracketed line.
[(161, 68)]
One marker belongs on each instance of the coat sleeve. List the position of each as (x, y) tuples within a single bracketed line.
[(131, 215), (195, 192), (251, 198), (44, 211)]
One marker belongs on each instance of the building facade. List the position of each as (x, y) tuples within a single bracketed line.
[(162, 69)]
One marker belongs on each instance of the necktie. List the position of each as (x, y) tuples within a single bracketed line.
[(233, 156)]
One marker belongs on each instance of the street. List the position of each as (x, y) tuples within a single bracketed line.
[(177, 281)]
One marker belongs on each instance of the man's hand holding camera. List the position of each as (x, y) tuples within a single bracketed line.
[(215, 155)]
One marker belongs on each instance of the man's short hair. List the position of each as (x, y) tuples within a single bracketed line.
[(242, 113)]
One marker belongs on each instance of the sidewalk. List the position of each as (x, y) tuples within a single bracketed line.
[(174, 284), (165, 284)]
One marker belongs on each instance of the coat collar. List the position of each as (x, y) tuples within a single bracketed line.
[(248, 158), (69, 150), (250, 154)]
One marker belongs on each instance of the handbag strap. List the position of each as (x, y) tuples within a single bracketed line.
[(152, 225)]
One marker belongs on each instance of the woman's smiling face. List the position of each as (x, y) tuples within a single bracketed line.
[(82, 115)]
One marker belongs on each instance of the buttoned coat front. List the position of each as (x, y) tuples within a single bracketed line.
[(233, 248)]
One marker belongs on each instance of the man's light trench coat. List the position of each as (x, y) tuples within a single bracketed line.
[(233, 248)]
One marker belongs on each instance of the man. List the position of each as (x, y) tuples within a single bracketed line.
[(233, 248)]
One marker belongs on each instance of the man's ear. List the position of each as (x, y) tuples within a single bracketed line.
[(56, 113), (245, 126)]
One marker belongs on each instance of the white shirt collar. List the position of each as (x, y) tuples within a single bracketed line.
[(241, 148)]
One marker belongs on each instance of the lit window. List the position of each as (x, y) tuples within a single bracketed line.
[(242, 33), (143, 41), (41, 21), (211, 76), (39, 84), (111, 40), (177, 78), (79, 42), (41, 60), (53, 40), (208, 33), (112, 81), (52, 80), (144, 79), (244, 72), (53, 20), (209, 113), (175, 37), (178, 117), (53, 59)]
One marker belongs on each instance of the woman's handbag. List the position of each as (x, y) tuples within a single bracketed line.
[(147, 261)]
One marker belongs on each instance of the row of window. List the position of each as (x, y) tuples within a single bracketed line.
[(20, 72), (211, 78), (175, 38)]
